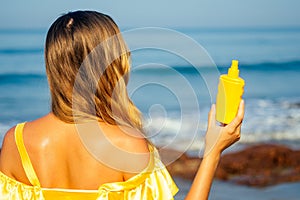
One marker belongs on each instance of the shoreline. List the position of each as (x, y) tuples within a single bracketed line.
[(258, 165)]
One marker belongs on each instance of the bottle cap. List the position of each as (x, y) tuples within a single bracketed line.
[(233, 71)]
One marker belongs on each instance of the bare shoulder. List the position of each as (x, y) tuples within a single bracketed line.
[(9, 152), (8, 144), (131, 140), (9, 137), (128, 150)]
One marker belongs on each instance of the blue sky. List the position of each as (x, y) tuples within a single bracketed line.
[(162, 13)]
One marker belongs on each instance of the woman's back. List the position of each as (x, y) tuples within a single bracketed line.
[(59, 157), (55, 164)]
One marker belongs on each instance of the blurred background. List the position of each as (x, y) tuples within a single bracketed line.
[(175, 98)]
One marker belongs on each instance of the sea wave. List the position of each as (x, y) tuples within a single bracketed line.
[(285, 65), (265, 121), (260, 66), (21, 51), (186, 69), (19, 78)]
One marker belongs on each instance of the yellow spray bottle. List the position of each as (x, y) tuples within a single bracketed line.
[(230, 91)]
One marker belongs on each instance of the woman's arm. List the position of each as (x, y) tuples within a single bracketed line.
[(217, 139)]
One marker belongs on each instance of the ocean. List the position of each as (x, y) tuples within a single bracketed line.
[(174, 80)]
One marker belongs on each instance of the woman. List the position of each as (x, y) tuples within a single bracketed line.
[(91, 145)]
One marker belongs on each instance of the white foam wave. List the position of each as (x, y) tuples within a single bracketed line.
[(265, 121)]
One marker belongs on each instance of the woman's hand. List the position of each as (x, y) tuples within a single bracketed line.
[(219, 138)]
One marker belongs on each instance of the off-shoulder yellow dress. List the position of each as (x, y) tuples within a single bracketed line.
[(154, 182)]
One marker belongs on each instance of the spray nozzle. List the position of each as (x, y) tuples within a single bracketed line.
[(233, 71)]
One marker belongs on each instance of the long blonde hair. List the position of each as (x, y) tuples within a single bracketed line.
[(88, 64)]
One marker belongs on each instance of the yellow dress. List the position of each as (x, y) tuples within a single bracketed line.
[(154, 182)]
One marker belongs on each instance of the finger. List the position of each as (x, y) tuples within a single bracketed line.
[(238, 130), (241, 110), (237, 121), (212, 116), (240, 115)]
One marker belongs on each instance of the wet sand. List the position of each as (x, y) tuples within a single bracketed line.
[(227, 191)]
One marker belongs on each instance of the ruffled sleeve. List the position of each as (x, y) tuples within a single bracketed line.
[(12, 189), (150, 184)]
